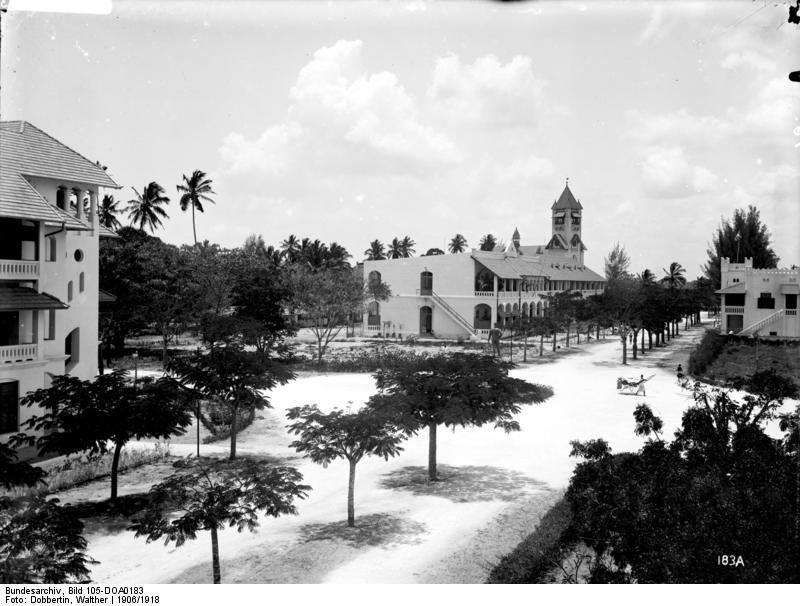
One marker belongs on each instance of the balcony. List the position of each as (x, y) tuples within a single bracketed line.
[(734, 309), (19, 270), (10, 354)]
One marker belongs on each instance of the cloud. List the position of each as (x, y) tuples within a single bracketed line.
[(487, 92), (749, 59), (654, 27), (341, 120), (666, 173)]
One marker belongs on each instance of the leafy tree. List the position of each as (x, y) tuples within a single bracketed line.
[(230, 376), (325, 437), (290, 249), (722, 472), (433, 251), (407, 247), (617, 263), (337, 256), (146, 210), (674, 276), (458, 244), (488, 242), (106, 412), (742, 236), (210, 495), (395, 250), (327, 298), (453, 390), (621, 307), (376, 251), (107, 213), (194, 191)]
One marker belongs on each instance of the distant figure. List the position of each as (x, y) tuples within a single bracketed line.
[(494, 339), (640, 389)]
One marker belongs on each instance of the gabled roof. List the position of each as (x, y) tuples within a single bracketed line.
[(557, 241), (733, 289), (28, 150), (566, 200), (516, 267)]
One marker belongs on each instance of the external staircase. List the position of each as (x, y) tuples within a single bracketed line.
[(754, 328), (457, 317)]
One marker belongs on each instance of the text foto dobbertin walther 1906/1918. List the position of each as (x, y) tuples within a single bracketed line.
[(80, 594)]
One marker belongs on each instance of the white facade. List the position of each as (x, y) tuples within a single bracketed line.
[(759, 301), (464, 295), (49, 266)]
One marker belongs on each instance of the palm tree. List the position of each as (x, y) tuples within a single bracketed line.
[(290, 248), (407, 247), (376, 251), (395, 250), (674, 276), (458, 244), (107, 214), (647, 277), (145, 210), (488, 242), (195, 190), (337, 256)]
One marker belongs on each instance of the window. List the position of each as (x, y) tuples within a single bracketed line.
[(69, 290), (576, 219), (50, 248), (373, 314), (765, 301), (50, 325), (791, 301), (78, 255), (72, 349), (559, 220), (9, 406), (81, 282)]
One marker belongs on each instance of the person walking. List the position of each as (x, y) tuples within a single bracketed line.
[(494, 338)]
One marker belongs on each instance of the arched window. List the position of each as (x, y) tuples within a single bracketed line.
[(374, 277), (425, 283), (373, 314), (483, 317), (538, 308), (484, 281)]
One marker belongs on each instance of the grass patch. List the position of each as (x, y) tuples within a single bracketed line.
[(85, 468), (539, 552)]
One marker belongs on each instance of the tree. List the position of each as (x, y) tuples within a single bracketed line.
[(327, 298), (376, 251), (407, 247), (107, 213), (674, 277), (324, 437), (395, 250), (194, 191), (230, 376), (106, 411), (620, 305), (616, 263), (453, 390), (458, 244), (40, 542), (213, 494), (146, 210), (433, 251), (742, 236), (722, 472), (488, 242), (290, 248)]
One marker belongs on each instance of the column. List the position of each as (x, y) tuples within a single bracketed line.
[(78, 203)]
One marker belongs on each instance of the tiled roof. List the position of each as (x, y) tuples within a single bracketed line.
[(733, 289), (107, 233), (30, 151), (106, 297), (566, 200), (21, 297), (541, 265)]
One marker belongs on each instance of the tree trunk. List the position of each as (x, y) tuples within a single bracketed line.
[(525, 348), (432, 451), (197, 410), (554, 341), (624, 338), (649, 340), (194, 231), (215, 556), (234, 429), (541, 345), (115, 469), (642, 347), (351, 489), (566, 343), (634, 344), (164, 350)]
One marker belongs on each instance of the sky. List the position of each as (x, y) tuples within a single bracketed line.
[(350, 121)]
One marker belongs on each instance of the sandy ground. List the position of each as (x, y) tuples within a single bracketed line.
[(497, 486)]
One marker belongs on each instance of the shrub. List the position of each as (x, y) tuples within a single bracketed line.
[(216, 417), (706, 352), (539, 552)]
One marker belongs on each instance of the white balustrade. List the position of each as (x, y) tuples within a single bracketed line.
[(18, 270), (18, 353), (734, 310)]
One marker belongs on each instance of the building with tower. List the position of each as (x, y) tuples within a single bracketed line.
[(466, 294), (49, 258)]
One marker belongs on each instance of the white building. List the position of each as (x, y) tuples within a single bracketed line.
[(465, 294), (49, 253), (762, 301)]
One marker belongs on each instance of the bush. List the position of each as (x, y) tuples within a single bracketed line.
[(539, 552), (217, 419), (706, 352)]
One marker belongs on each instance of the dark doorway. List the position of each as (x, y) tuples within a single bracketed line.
[(426, 283), (425, 320)]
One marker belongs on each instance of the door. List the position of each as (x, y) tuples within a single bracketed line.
[(425, 320), (426, 283)]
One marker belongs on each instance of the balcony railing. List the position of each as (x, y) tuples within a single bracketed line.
[(734, 310), (791, 312), (18, 270), (18, 353), (484, 293)]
